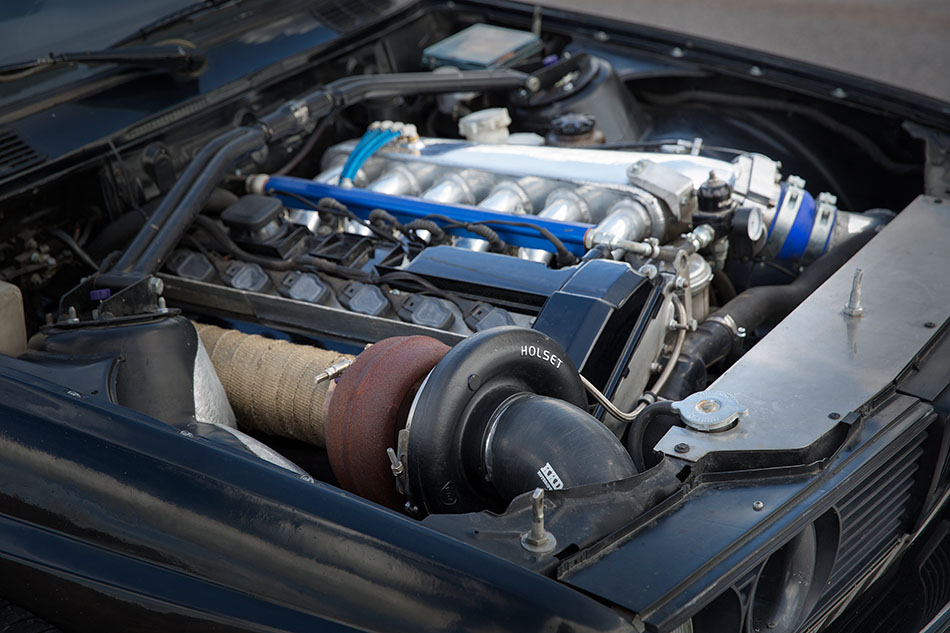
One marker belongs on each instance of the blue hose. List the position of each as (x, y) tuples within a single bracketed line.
[(364, 150), (367, 137)]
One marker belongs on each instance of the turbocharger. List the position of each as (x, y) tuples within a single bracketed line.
[(500, 414)]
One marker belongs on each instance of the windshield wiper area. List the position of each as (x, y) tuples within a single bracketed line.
[(173, 58)]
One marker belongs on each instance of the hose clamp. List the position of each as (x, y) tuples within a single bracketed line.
[(727, 322)]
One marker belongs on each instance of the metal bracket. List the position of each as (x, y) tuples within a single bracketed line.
[(670, 186)]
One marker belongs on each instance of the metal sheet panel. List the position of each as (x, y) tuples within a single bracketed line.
[(819, 361)]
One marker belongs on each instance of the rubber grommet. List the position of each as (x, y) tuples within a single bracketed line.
[(453, 407), (367, 409)]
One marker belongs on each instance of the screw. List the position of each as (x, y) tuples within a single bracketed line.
[(755, 71), (533, 84), (74, 394), (395, 464), (187, 433), (677, 52), (757, 506), (601, 36), (71, 316), (930, 325), (838, 93), (681, 448), (853, 308), (834, 415)]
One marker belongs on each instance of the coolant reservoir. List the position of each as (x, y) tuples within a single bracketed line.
[(12, 323)]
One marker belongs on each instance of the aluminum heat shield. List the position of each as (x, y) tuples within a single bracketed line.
[(818, 361)]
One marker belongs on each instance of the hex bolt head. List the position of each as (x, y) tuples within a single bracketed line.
[(156, 286), (757, 506), (681, 448)]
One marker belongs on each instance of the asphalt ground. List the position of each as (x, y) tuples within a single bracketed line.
[(905, 43)]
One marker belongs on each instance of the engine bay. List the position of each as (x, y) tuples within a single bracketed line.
[(456, 279)]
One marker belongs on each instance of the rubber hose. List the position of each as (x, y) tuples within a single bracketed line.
[(638, 429), (114, 235), (271, 384)]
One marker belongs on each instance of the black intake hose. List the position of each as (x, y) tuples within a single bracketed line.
[(713, 339), (537, 441)]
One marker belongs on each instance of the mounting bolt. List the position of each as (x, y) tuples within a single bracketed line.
[(395, 464), (757, 506), (930, 325), (853, 308), (537, 539), (71, 316), (156, 286), (681, 448), (834, 415)]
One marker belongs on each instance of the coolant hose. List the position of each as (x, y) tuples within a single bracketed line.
[(713, 339), (271, 384), (638, 428)]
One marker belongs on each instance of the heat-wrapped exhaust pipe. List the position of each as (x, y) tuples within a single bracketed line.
[(273, 385)]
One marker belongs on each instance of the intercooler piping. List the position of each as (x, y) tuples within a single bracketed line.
[(273, 385)]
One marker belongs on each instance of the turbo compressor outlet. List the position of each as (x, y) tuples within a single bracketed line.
[(501, 414)]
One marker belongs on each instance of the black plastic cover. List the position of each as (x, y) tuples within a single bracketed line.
[(365, 299), (304, 287), (251, 213), (427, 311), (191, 265), (157, 366)]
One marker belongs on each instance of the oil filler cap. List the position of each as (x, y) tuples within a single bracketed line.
[(709, 411)]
